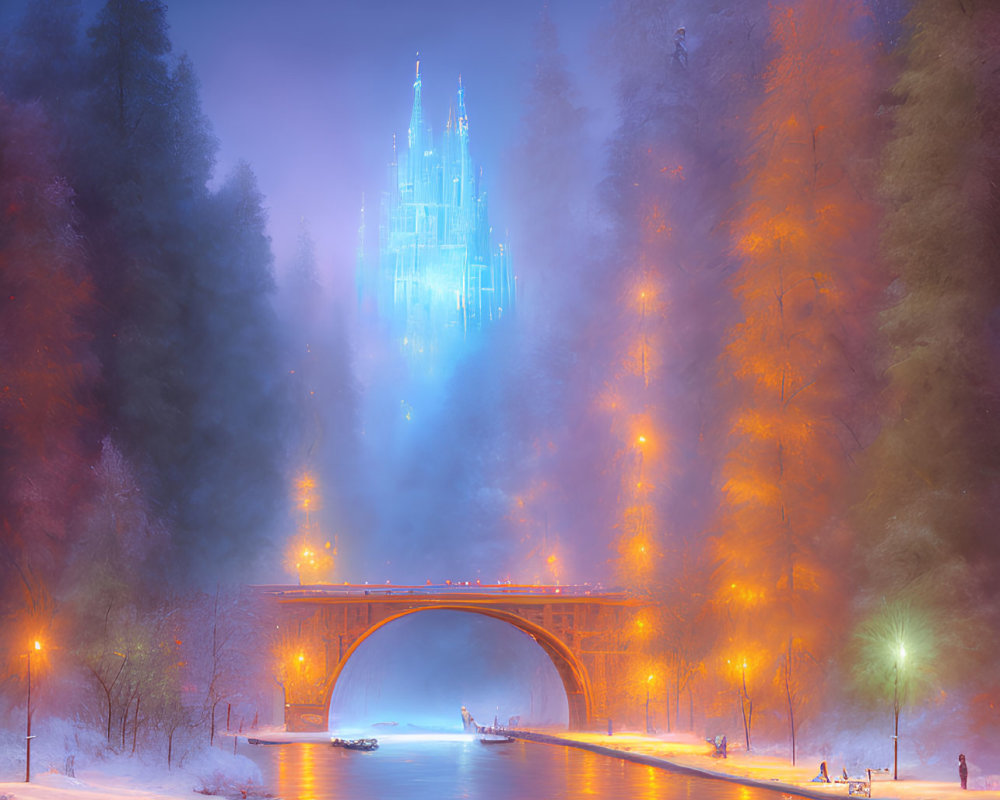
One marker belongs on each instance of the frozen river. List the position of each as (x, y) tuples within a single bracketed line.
[(415, 768)]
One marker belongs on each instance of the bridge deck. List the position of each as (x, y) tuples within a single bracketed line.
[(463, 592)]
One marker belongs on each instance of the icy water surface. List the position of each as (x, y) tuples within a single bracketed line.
[(411, 768)]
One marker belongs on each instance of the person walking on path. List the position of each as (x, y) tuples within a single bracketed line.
[(963, 771)]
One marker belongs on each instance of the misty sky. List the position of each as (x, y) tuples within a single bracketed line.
[(311, 93), (312, 100)]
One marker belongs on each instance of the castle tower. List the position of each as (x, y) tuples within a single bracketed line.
[(441, 279)]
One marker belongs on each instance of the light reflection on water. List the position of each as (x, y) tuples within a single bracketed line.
[(461, 768)]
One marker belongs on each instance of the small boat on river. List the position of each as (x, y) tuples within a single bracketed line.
[(356, 744), (495, 738)]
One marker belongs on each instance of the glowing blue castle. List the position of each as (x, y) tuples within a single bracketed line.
[(440, 279)]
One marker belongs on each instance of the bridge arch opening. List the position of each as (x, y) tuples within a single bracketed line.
[(418, 667)]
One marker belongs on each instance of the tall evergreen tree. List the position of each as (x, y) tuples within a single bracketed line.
[(191, 337), (129, 42), (548, 455), (43, 60), (229, 485), (931, 479), (324, 400), (47, 369)]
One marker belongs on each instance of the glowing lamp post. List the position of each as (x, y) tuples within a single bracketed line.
[(641, 442), (649, 680), (896, 700), (28, 737), (301, 671), (746, 703)]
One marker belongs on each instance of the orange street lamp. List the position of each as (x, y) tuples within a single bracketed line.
[(27, 736)]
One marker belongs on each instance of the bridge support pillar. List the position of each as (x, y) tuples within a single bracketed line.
[(306, 717), (578, 720)]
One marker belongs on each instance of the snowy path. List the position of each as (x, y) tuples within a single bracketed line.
[(693, 755)]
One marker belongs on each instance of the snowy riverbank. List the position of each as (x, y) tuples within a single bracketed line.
[(771, 772), (73, 763)]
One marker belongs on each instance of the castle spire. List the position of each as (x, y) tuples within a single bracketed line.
[(416, 116), (463, 119)]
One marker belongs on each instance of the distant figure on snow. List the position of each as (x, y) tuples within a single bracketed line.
[(468, 723), (680, 47), (963, 771), (719, 742), (824, 776)]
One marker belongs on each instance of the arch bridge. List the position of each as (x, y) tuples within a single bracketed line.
[(584, 630)]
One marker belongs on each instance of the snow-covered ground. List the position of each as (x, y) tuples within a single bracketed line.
[(72, 763)]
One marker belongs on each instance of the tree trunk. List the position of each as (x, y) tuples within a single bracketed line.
[(788, 696), (668, 709), (128, 705), (108, 693), (690, 707), (135, 725), (677, 694), (746, 706)]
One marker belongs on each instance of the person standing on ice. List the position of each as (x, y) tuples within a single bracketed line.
[(963, 771), (680, 47), (467, 722)]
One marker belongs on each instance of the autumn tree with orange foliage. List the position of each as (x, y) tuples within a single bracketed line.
[(804, 244), (686, 71)]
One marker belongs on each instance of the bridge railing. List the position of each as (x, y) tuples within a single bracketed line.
[(456, 588)]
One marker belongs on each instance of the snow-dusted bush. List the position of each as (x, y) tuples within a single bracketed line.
[(58, 745), (225, 774)]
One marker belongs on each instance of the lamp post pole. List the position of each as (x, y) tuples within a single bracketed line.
[(895, 710), (27, 736), (746, 705), (648, 681), (647, 708), (895, 732)]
